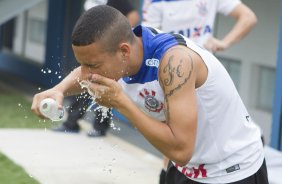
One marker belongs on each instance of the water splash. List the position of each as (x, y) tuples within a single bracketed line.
[(104, 110), (85, 85)]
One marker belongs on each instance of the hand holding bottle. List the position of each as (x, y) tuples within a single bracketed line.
[(50, 109)]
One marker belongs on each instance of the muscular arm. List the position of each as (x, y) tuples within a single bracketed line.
[(176, 138), (70, 84), (245, 21)]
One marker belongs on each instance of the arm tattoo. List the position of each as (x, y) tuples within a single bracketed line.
[(168, 68), (172, 73), (178, 70), (167, 109)]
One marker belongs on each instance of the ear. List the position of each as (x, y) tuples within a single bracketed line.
[(125, 49)]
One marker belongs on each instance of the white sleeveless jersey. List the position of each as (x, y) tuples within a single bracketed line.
[(228, 146), (191, 18)]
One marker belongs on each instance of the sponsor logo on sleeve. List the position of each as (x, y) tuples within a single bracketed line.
[(153, 62)]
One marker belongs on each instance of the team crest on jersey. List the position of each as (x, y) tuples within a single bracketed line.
[(202, 6), (151, 102)]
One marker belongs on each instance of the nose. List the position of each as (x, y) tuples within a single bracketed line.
[(85, 72)]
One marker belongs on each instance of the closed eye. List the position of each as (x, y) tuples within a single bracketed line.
[(91, 66)]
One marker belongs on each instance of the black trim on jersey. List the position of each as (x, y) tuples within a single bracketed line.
[(179, 39), (153, 30)]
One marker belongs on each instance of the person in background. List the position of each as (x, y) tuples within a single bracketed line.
[(195, 20), (124, 6), (178, 95), (145, 6), (79, 104)]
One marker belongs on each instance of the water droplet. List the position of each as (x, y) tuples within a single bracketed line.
[(59, 76)]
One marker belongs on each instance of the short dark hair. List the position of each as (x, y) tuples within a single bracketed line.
[(102, 23)]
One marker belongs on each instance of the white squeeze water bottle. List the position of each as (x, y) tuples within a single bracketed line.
[(49, 108)]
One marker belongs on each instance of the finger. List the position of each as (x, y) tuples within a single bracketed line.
[(98, 90), (36, 111), (35, 106), (93, 86), (59, 99), (102, 102), (101, 80), (99, 101)]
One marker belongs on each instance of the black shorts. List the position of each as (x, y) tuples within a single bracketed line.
[(173, 176)]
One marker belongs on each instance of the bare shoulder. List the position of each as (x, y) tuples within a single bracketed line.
[(178, 69)]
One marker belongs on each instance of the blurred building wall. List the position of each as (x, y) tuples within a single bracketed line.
[(35, 43), (252, 62)]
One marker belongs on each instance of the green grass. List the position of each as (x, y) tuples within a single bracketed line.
[(15, 113), (12, 173)]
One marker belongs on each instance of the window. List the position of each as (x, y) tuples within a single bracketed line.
[(266, 78), (37, 31), (30, 33), (7, 34), (233, 67)]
